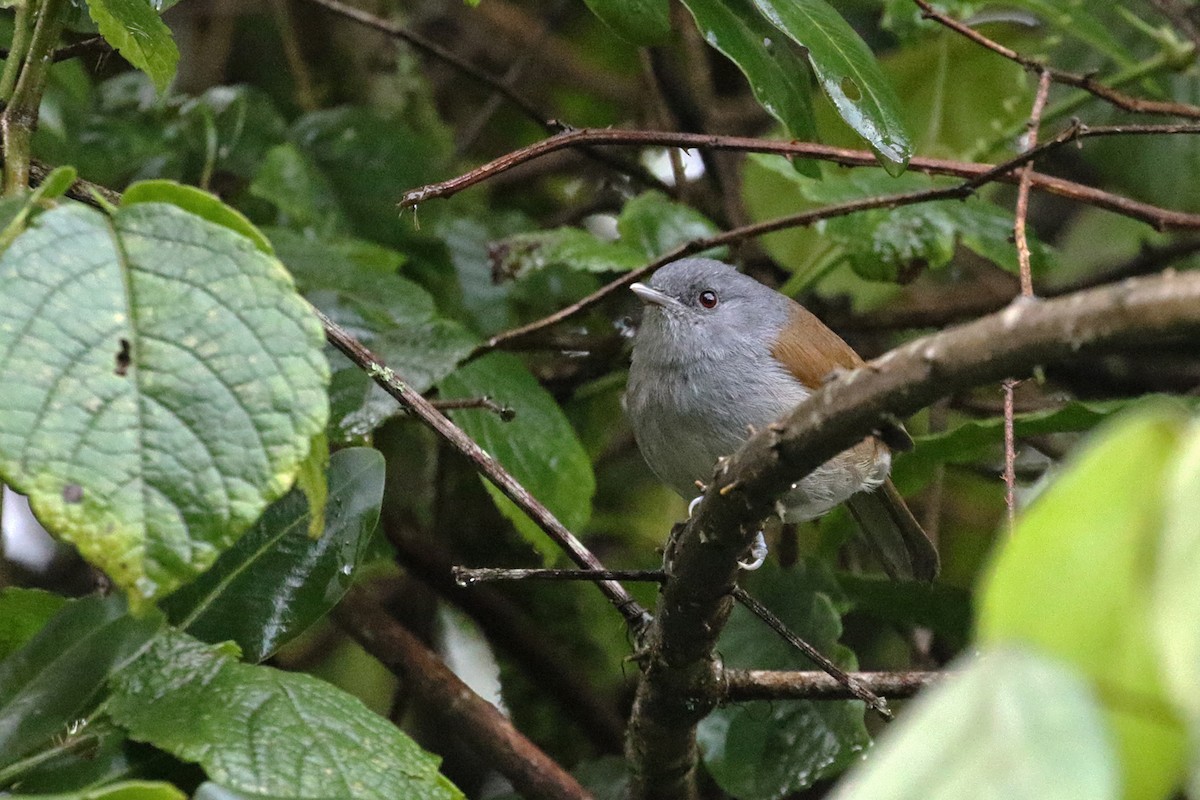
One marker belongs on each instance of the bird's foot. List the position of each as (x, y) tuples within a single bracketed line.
[(757, 554)]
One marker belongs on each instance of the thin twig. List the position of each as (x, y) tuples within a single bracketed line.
[(505, 413), (466, 576), (742, 685), (845, 679), (803, 218), (1159, 218), (1123, 101), (1021, 239), (635, 616)]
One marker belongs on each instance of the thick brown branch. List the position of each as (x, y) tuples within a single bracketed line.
[(478, 722), (742, 685), (502, 479), (681, 682), (1123, 101)]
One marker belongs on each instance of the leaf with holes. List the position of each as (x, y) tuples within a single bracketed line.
[(162, 382)]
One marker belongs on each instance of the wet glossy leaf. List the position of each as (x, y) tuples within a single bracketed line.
[(276, 581), (134, 30), (770, 750), (54, 680), (777, 75), (260, 730), (162, 382), (637, 21), (538, 446), (1074, 582), (848, 74), (1009, 724)]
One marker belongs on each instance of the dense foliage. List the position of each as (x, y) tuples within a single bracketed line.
[(230, 494)]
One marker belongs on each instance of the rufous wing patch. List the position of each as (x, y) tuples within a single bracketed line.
[(809, 350)]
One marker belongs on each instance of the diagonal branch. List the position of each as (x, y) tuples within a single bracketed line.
[(489, 732), (635, 616), (682, 678)]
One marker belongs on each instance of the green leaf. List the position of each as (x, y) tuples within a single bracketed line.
[(260, 730), (23, 612), (1008, 724), (276, 581), (944, 609), (981, 438), (1074, 581), (356, 284), (213, 791), (304, 197), (312, 482), (161, 382), (766, 750), (1175, 603), (233, 127), (525, 253), (56, 184), (125, 790), (642, 22), (134, 30), (199, 202), (654, 224), (538, 446), (848, 74), (885, 245), (54, 679), (777, 75)]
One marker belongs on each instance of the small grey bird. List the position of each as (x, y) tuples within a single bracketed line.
[(719, 354)]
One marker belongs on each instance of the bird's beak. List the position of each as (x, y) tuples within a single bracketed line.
[(653, 296)]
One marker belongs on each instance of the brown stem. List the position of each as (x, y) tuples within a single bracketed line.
[(1123, 101), (1159, 218), (478, 722), (681, 682)]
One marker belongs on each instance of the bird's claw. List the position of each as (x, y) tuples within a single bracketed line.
[(757, 554)]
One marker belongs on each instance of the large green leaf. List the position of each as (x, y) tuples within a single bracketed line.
[(161, 382), (538, 446), (1009, 724), (1075, 579), (260, 730), (277, 580), (764, 751), (847, 72), (653, 224), (525, 253), (357, 285), (53, 680), (777, 75), (134, 30), (637, 21)]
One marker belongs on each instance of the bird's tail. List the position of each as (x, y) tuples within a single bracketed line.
[(895, 536)]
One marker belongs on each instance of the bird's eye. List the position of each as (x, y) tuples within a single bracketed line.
[(708, 298)]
